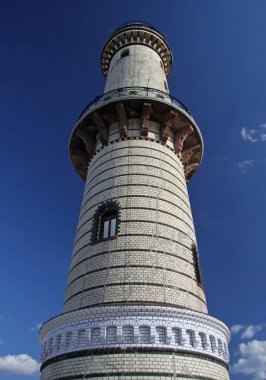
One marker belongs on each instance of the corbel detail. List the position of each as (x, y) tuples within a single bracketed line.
[(101, 127), (122, 118), (146, 111), (87, 140), (166, 125), (189, 152), (80, 160), (190, 168), (181, 136)]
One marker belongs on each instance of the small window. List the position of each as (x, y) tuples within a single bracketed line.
[(161, 64), (105, 222), (165, 85), (125, 53), (196, 265), (108, 226)]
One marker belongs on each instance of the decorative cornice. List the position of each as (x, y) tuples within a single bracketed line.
[(136, 35), (189, 326)]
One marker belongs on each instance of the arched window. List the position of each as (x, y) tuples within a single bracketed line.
[(106, 222)]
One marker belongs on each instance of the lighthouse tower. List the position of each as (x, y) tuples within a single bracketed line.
[(135, 305)]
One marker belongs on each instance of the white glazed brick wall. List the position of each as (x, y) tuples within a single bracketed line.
[(145, 259), (147, 180), (142, 67), (158, 366), (94, 322), (135, 293)]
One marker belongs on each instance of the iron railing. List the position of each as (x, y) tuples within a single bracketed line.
[(131, 92)]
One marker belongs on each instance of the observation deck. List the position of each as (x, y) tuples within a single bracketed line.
[(142, 103)]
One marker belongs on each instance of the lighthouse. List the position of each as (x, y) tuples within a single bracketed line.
[(135, 305)]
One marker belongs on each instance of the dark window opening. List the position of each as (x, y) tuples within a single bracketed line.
[(125, 53), (165, 86), (196, 265), (108, 223)]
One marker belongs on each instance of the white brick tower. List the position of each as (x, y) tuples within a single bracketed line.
[(135, 305)]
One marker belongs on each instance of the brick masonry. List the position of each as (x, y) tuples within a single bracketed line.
[(155, 232)]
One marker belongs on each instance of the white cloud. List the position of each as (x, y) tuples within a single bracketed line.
[(244, 165), (253, 135), (248, 134), (253, 360), (247, 331), (250, 331), (236, 328), (36, 327), (21, 364)]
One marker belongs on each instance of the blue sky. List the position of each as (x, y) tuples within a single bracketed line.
[(49, 70)]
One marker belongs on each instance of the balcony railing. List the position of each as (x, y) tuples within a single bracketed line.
[(134, 92)]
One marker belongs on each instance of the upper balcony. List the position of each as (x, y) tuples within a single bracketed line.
[(172, 117), (133, 92)]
